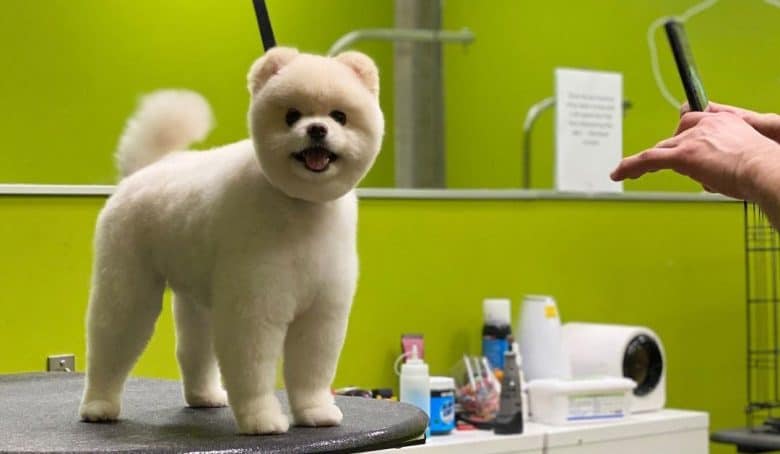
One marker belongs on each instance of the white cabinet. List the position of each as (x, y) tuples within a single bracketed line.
[(667, 432), (531, 441)]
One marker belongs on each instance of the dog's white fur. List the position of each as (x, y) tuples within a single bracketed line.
[(259, 251)]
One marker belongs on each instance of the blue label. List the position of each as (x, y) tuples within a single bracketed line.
[(442, 419), (493, 349)]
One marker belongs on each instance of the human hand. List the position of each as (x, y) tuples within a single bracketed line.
[(718, 149), (767, 124)]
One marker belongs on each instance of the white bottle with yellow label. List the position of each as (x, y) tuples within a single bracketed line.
[(541, 344)]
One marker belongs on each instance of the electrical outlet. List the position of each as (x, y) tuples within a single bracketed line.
[(61, 363)]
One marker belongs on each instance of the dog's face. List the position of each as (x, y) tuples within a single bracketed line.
[(315, 121)]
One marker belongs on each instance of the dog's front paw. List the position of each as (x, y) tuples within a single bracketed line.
[(322, 415), (264, 422), (261, 415), (210, 399), (99, 411)]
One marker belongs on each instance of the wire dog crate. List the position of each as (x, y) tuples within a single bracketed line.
[(762, 282)]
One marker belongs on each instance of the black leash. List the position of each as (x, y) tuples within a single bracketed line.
[(264, 24)]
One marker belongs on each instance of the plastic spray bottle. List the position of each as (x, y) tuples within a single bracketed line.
[(415, 387)]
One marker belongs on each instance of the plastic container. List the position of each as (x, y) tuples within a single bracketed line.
[(415, 386), (560, 402), (496, 331), (477, 392), (541, 340), (442, 420)]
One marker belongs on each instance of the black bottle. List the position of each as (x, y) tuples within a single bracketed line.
[(509, 419)]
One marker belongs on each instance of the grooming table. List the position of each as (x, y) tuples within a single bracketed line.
[(39, 413), (761, 439)]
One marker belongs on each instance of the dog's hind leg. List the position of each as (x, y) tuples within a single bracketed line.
[(125, 301), (195, 352)]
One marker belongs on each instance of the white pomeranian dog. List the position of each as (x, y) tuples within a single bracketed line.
[(256, 239)]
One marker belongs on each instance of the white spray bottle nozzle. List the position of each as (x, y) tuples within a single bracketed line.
[(414, 355), (414, 365)]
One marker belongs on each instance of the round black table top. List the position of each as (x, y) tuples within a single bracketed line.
[(39, 413)]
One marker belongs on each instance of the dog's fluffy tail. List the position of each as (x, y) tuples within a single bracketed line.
[(165, 121)]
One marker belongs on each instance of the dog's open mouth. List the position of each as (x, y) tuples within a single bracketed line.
[(315, 159)]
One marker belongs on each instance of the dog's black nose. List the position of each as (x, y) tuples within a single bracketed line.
[(317, 131)]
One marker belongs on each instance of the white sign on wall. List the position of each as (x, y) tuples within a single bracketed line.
[(588, 129)]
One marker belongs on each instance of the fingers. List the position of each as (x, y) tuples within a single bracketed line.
[(662, 156), (685, 129), (671, 153), (650, 160), (689, 120), (711, 107), (766, 124), (754, 119), (676, 153), (715, 108)]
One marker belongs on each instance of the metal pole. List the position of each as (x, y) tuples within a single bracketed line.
[(419, 100)]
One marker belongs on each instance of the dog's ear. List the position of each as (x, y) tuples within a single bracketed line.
[(364, 69), (267, 66)]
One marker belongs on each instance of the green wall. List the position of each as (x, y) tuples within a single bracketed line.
[(427, 265), (491, 84), (74, 69)]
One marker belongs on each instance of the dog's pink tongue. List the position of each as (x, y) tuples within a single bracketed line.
[(317, 160)]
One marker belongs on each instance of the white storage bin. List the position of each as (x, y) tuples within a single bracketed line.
[(558, 402)]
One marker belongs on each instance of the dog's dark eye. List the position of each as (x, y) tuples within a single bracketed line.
[(339, 116), (292, 116)]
